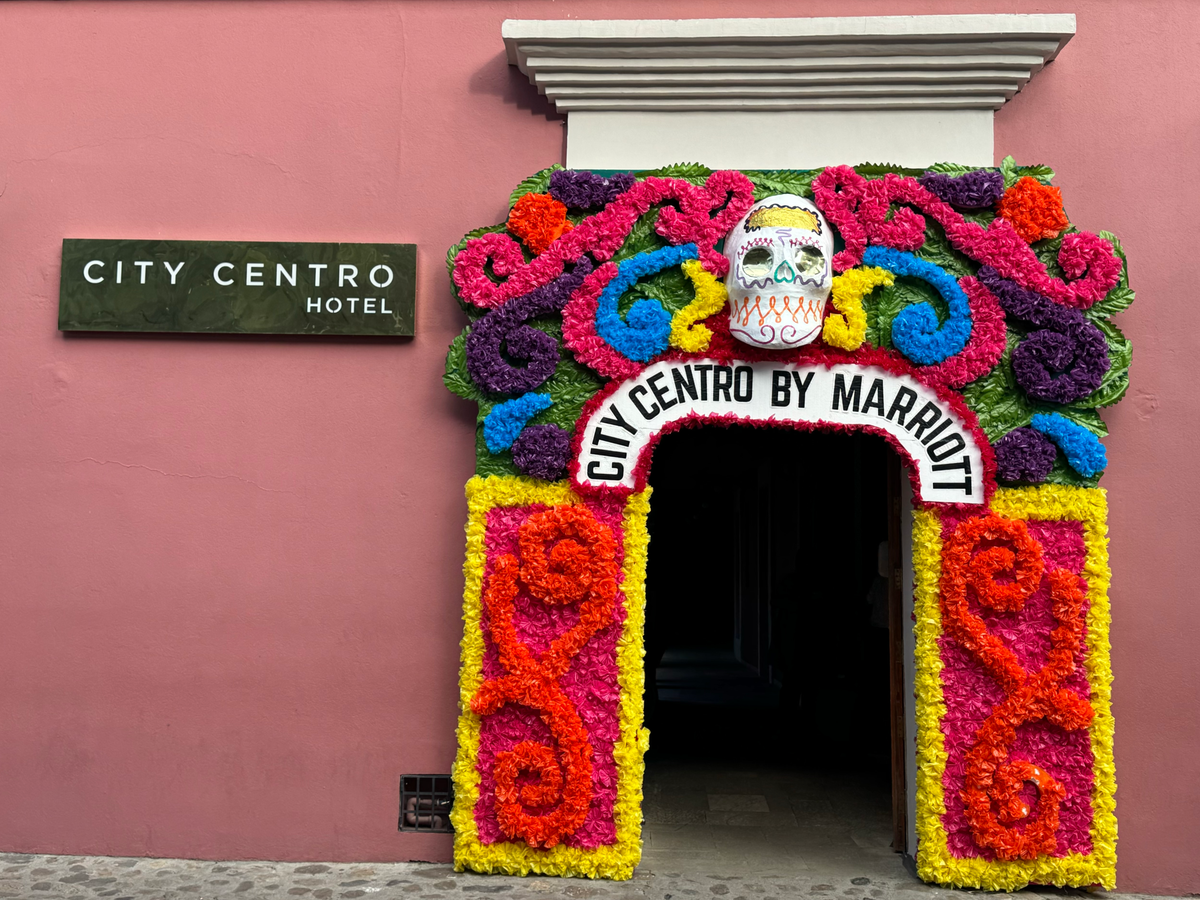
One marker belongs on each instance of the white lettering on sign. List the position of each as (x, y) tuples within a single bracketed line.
[(334, 305), (390, 276), (940, 445)]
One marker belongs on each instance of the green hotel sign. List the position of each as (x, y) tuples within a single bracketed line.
[(224, 287)]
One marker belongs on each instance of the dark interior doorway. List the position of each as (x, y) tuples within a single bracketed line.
[(769, 666)]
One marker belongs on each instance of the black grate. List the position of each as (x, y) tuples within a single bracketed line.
[(425, 802)]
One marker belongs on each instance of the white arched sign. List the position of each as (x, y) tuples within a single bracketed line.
[(940, 443)]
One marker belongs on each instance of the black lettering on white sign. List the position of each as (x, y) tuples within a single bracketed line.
[(937, 442)]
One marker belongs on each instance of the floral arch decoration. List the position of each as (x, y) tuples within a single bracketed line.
[(954, 310)]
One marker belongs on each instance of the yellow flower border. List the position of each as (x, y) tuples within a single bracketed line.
[(849, 329), (934, 862), (616, 861), (686, 332)]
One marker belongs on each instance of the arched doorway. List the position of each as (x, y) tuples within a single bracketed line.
[(776, 643)]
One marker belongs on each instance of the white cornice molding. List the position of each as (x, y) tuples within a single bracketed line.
[(967, 62)]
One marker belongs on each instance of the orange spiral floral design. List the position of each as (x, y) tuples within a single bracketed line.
[(566, 557), (980, 552)]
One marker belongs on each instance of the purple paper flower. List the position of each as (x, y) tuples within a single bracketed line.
[(1066, 358), (1024, 454), (504, 329), (586, 190), (542, 451), (972, 190)]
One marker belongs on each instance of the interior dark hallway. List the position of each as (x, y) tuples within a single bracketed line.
[(768, 692)]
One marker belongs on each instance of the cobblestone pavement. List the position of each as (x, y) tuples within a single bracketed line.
[(40, 877)]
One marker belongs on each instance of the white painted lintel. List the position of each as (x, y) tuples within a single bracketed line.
[(783, 93)]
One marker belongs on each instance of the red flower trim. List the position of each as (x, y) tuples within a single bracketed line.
[(567, 556), (971, 562)]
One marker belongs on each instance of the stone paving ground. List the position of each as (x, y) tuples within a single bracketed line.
[(87, 877)]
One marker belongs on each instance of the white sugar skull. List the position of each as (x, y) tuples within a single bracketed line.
[(779, 273)]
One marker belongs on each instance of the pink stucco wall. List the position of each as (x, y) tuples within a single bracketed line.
[(230, 568)]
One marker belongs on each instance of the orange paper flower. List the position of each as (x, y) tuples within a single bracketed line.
[(999, 561), (1034, 209), (580, 567), (538, 220)]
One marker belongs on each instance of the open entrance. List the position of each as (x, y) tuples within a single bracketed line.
[(772, 689)]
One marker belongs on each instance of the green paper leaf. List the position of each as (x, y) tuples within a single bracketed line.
[(485, 463), (875, 170), (951, 169), (538, 183), (937, 250), (1123, 281), (885, 303), (1116, 380), (1047, 253), (767, 184), (1112, 389), (996, 400), (1062, 473), (456, 377), (1008, 168), (1117, 300), (1044, 174), (642, 238), (671, 287), (693, 172), (1120, 348), (1088, 418)]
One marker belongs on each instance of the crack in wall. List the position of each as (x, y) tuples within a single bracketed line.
[(202, 475)]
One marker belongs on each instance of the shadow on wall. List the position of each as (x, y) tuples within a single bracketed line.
[(507, 82)]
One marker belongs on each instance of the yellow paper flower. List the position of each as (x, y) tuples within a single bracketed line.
[(849, 329), (710, 297)]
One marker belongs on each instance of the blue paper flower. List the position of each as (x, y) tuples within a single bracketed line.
[(646, 329), (505, 422), (1085, 453), (915, 330)]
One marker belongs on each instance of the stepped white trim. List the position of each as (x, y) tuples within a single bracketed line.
[(852, 63)]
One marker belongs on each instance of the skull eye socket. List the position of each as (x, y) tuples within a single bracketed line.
[(757, 262), (810, 261)]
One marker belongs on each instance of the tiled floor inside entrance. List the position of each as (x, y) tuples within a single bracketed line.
[(766, 820)]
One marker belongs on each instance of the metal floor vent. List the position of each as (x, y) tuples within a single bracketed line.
[(425, 802)]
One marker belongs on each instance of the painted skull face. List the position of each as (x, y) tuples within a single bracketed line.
[(779, 273)]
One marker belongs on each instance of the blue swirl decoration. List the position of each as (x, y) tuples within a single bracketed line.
[(1085, 453), (646, 329), (504, 424), (915, 330)]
